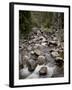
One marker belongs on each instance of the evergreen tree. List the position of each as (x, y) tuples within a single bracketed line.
[(24, 23)]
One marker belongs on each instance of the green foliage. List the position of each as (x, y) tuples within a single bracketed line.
[(24, 23), (47, 20)]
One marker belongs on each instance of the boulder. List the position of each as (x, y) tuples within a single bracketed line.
[(35, 39), (29, 48), (59, 61), (37, 46), (43, 71), (42, 38), (44, 44), (41, 60), (54, 50), (59, 58), (51, 50), (48, 58), (54, 54), (61, 51), (35, 36), (30, 41), (31, 36), (25, 59), (37, 52), (55, 38), (59, 44), (31, 64), (34, 56), (32, 52), (54, 43)]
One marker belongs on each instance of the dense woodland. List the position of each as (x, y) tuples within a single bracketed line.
[(41, 44), (48, 21)]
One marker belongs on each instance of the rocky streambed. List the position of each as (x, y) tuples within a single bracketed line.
[(41, 56)]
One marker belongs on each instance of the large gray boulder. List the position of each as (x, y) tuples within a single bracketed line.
[(41, 60), (25, 59), (31, 64)]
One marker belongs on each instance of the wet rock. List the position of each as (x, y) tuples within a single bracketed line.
[(32, 41), (32, 52), (42, 38), (55, 38), (44, 44), (35, 39), (31, 65), (58, 58), (38, 46), (58, 44), (61, 51), (51, 50), (54, 54), (48, 58), (31, 36), (35, 36), (29, 48), (54, 50), (37, 52), (59, 61), (37, 58), (43, 71), (25, 59), (34, 56), (54, 43), (41, 60)]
